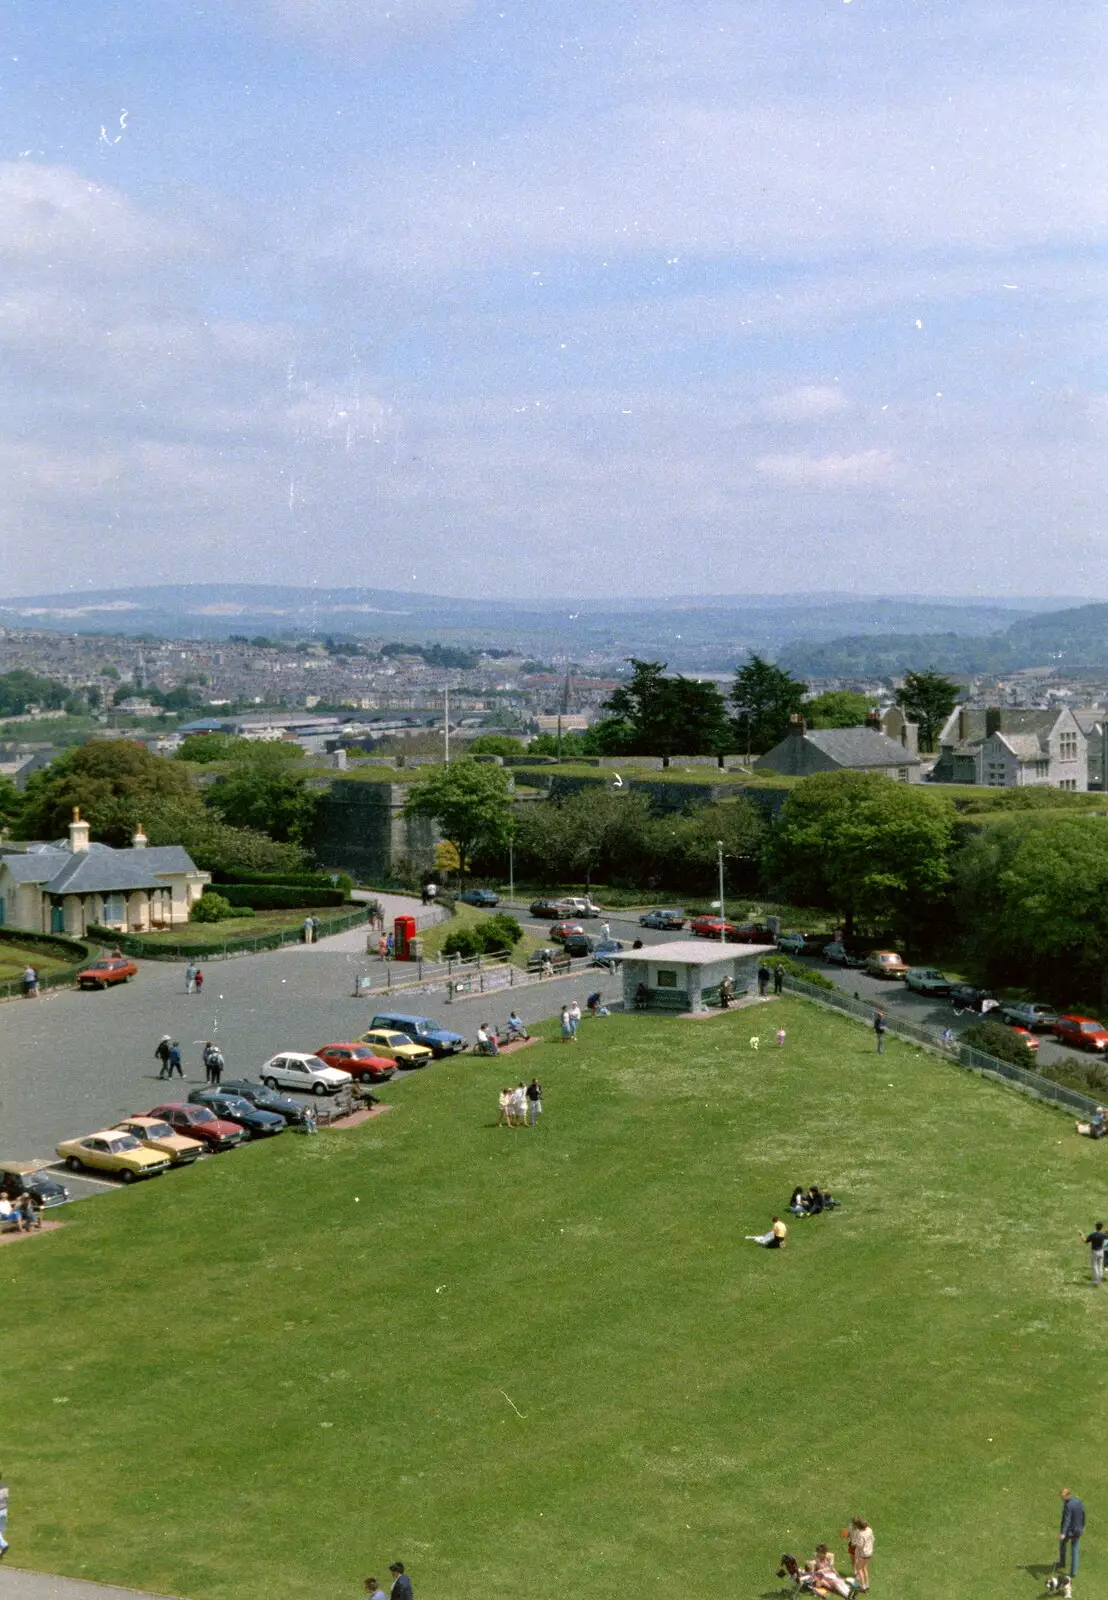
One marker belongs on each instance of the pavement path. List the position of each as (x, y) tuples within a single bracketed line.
[(17, 1584)]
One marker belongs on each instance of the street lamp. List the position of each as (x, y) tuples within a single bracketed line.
[(722, 918), (511, 867)]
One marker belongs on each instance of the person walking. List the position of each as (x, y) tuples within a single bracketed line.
[(574, 1016), (534, 1101), (1073, 1526), (3, 1516), (162, 1054), (569, 1034), (763, 979), (402, 1584), (315, 929), (778, 978), (1096, 1242), (174, 1062), (880, 1028), (861, 1549), (30, 983), (199, 980), (374, 1590), (306, 930), (190, 978)]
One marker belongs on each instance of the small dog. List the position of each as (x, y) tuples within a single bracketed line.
[(1058, 1583)]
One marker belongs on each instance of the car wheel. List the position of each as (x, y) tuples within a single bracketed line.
[(270, 1083), (73, 1163), (320, 1088), (365, 1077), (126, 1176)]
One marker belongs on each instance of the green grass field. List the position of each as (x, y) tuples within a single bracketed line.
[(15, 957), (535, 1362)]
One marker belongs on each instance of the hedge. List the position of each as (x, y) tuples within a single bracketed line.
[(75, 951), (303, 880), (277, 896)]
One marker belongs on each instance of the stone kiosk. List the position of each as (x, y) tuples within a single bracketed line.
[(678, 974)]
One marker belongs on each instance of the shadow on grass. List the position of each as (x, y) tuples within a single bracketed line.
[(1041, 1569)]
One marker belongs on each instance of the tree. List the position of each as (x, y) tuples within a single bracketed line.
[(11, 805), (764, 698), (21, 688), (495, 744), (927, 698), (470, 801), (265, 796), (216, 846), (669, 716), (116, 783), (546, 744), (836, 708), (865, 847)]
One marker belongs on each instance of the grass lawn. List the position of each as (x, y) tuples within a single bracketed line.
[(217, 933), (14, 958), (537, 1362), (469, 916)]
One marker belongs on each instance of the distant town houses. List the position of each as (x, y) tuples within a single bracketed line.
[(1002, 747), (67, 886)]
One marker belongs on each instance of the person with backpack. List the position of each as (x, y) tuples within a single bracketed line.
[(162, 1054)]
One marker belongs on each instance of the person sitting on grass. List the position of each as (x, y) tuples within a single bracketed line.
[(1096, 1127), (798, 1203), (775, 1239)]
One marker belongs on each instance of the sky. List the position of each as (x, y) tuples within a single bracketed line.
[(512, 298)]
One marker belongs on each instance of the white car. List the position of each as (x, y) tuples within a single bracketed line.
[(581, 906), (296, 1070)]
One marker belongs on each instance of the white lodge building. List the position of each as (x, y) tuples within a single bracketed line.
[(67, 886)]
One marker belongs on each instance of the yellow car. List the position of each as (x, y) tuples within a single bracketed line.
[(158, 1135), (113, 1151), (396, 1047)]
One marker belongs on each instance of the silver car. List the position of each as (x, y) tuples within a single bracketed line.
[(1026, 1014), (297, 1070), (927, 980)]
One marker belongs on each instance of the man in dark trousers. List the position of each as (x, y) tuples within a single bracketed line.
[(763, 978), (402, 1584), (1073, 1526), (880, 1028), (162, 1054), (778, 978)]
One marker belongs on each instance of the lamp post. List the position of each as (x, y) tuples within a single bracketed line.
[(511, 868), (722, 917)]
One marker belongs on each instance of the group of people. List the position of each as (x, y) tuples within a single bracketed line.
[(570, 1022), (213, 1064), (194, 979), (488, 1041), (400, 1588), (168, 1052), (812, 1201), (766, 976), (30, 983), (521, 1107), (309, 930), (21, 1214), (820, 1576)]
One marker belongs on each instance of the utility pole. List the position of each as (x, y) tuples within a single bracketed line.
[(511, 867), (722, 918), (446, 723)]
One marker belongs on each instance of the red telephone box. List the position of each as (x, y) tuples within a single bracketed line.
[(403, 932)]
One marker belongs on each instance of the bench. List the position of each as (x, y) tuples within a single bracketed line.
[(665, 1000)]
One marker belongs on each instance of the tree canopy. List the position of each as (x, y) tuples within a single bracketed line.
[(836, 708), (267, 797), (470, 801), (21, 688), (927, 698), (764, 698), (660, 716), (864, 846), (116, 783), (495, 744)]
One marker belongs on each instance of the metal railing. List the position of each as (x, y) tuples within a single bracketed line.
[(964, 1055)]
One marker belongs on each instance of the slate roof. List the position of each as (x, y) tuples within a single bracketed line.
[(99, 869), (1025, 746), (858, 749), (1033, 720)]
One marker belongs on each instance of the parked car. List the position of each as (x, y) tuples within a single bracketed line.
[(710, 928), (296, 1069), (156, 1134), (22, 1177), (669, 920), (396, 1046), (1030, 1039), (795, 944), (968, 997), (106, 970), (112, 1151), (550, 908), (582, 906), (561, 931), (266, 1099), (479, 897), (1027, 1014), (839, 956), (1083, 1033), (229, 1107), (421, 1030), (927, 980), (578, 944), (358, 1060), (885, 964), (200, 1122), (604, 952)]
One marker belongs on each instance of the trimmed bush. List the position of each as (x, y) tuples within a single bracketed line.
[(304, 880), (277, 896), (796, 970), (216, 908), (1087, 1077), (464, 942), (997, 1040)]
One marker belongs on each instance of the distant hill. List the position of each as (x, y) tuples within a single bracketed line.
[(1073, 640)]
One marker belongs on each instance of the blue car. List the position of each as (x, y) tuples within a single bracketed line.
[(662, 919), (602, 954), (422, 1030), (233, 1108), (479, 897)]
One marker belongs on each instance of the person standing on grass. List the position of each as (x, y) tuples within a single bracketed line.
[(569, 1033), (574, 1016), (190, 978), (763, 979), (861, 1548), (162, 1054), (880, 1028), (3, 1516), (778, 978), (402, 1584), (1096, 1242), (1073, 1526), (534, 1101)]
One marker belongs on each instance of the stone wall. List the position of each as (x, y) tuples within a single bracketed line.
[(361, 829)]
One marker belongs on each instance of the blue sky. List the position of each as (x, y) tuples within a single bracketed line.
[(521, 299)]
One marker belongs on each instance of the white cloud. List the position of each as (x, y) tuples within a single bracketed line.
[(863, 469), (53, 215), (810, 402), (359, 24)]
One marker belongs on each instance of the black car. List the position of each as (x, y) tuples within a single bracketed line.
[(265, 1099), (578, 944), (968, 997), (480, 897), (18, 1179), (662, 919), (234, 1108)]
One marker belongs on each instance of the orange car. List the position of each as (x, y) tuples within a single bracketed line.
[(106, 970)]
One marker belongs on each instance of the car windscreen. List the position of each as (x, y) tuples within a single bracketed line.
[(126, 1141), (158, 1130)]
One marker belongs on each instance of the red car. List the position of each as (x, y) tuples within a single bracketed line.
[(106, 970), (710, 927), (561, 931), (198, 1122), (358, 1060), (1029, 1039), (1083, 1033)]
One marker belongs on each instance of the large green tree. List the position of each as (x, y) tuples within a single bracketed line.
[(764, 697), (21, 688), (267, 797), (116, 783), (472, 803), (215, 845), (927, 698), (836, 708), (668, 716), (865, 847)]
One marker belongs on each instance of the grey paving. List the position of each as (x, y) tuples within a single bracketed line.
[(18, 1584)]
